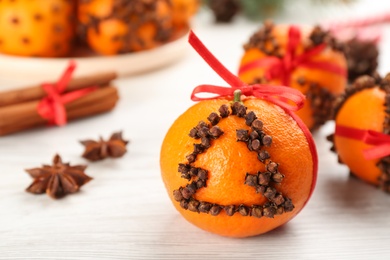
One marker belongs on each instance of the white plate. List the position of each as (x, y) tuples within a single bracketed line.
[(14, 69)]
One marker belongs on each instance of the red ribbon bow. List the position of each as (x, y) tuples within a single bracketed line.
[(52, 107), (380, 141), (276, 94), (281, 96), (283, 67)]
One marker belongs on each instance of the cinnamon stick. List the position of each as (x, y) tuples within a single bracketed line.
[(92, 109), (26, 112), (93, 97), (15, 113), (72, 115), (23, 116), (25, 94)]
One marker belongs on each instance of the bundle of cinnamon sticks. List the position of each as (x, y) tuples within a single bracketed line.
[(19, 108)]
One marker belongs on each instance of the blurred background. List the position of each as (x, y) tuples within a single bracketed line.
[(36, 41)]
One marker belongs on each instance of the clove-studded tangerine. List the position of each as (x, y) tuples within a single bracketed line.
[(116, 26), (361, 138), (31, 28), (182, 12), (309, 60), (238, 167)]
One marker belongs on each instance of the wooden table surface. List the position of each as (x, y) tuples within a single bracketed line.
[(125, 213)]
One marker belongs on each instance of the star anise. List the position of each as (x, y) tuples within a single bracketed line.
[(58, 179), (98, 150)]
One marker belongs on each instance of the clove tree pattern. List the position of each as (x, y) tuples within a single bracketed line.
[(262, 182)]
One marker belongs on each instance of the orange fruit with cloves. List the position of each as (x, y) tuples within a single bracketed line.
[(239, 168), (362, 130), (30, 28), (309, 60), (118, 26), (183, 11)]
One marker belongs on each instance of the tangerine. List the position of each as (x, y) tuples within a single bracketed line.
[(115, 26), (373, 115), (30, 28), (182, 11), (309, 60), (249, 170)]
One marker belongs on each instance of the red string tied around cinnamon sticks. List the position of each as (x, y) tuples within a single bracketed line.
[(52, 107), (379, 141), (282, 68), (285, 97)]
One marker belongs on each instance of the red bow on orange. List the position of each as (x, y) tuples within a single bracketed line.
[(281, 68), (287, 98), (276, 94)]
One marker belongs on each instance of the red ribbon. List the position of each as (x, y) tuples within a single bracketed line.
[(282, 68), (360, 22), (276, 94), (380, 141), (52, 107)]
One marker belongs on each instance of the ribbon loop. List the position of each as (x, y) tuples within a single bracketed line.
[(379, 141), (220, 92), (287, 98)]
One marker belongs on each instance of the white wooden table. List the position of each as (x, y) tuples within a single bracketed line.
[(125, 213)]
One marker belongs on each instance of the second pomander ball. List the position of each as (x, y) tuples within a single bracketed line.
[(362, 127), (309, 60), (182, 11), (31, 28), (116, 26), (108, 27)]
